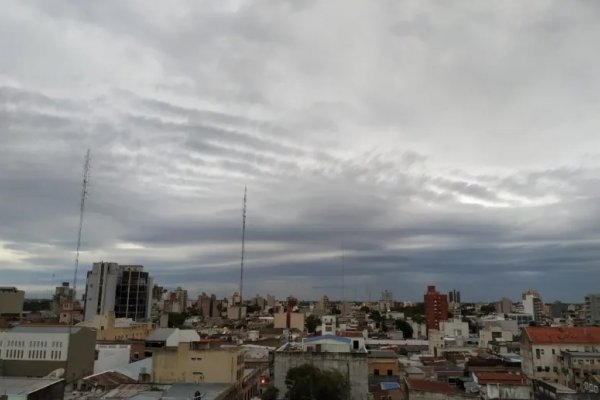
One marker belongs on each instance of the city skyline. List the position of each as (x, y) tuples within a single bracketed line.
[(435, 149)]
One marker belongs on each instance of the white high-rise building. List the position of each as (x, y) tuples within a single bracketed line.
[(125, 290)]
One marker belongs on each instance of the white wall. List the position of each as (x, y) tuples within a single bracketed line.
[(34, 346), (111, 356)]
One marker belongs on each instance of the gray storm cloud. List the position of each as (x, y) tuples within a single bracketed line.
[(440, 143)]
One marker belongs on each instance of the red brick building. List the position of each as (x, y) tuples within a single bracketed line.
[(436, 308)]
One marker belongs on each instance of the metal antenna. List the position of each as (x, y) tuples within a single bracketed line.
[(343, 282), (243, 249), (84, 193)]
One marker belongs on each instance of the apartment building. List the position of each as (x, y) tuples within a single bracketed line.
[(592, 309), (545, 350), (36, 351), (436, 308), (193, 362), (125, 290)]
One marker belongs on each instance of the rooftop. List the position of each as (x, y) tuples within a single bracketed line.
[(423, 385), (354, 334), (184, 391), (565, 335), (504, 378), (44, 329), (382, 354), (108, 379), (24, 386), (327, 337), (160, 334)]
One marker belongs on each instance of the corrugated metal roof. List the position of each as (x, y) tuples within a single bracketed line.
[(389, 385), (160, 334), (328, 337), (24, 386)]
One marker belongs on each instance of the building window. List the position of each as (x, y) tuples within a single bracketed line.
[(389, 372), (537, 353), (376, 372)]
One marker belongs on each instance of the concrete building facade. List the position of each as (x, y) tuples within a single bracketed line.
[(125, 290), (592, 309), (192, 362), (108, 327), (11, 301), (436, 308), (542, 348), (36, 351), (353, 365), (292, 320)]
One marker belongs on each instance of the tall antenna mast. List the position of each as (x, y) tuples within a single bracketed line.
[(343, 282), (243, 249), (84, 193)]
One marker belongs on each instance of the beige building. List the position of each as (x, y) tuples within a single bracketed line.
[(110, 328), (11, 301), (36, 351), (193, 363), (543, 350), (296, 321)]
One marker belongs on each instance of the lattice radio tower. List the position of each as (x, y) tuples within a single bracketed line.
[(84, 194), (243, 249)]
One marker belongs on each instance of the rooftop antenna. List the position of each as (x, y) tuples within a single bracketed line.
[(243, 249)]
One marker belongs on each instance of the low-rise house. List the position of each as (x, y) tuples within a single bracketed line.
[(497, 331), (502, 385), (420, 389), (383, 362)]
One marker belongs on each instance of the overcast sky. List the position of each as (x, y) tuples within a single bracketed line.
[(449, 143)]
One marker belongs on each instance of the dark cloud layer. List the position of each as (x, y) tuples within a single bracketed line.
[(453, 144)]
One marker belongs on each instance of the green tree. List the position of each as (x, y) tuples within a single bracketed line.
[(375, 316), (311, 323), (176, 320), (270, 393), (402, 325), (308, 382), (488, 309)]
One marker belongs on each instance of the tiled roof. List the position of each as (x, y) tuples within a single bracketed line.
[(355, 334), (108, 379), (504, 378), (566, 335), (423, 385)]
